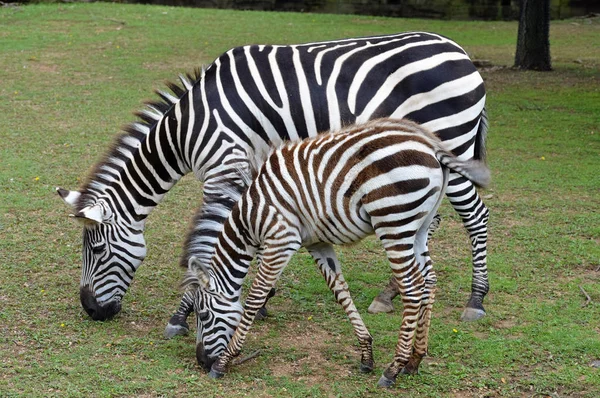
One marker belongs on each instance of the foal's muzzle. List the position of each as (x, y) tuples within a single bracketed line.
[(204, 360)]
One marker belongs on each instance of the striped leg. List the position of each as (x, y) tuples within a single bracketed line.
[(422, 333), (329, 266), (411, 285), (383, 301), (467, 203), (412, 270), (177, 325), (273, 261)]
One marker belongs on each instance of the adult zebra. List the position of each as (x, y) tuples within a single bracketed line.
[(385, 177), (255, 96)]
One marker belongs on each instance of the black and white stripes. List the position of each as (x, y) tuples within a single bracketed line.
[(385, 177), (256, 96)]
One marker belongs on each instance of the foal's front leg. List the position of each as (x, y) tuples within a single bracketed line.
[(328, 264), (274, 260)]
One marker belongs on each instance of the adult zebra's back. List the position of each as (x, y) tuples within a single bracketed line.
[(250, 98)]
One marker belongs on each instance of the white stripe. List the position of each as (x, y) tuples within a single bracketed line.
[(456, 119), (398, 75), (304, 92), (452, 89)]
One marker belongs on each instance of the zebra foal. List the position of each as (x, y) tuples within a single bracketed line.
[(385, 177)]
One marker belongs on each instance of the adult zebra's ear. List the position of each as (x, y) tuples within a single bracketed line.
[(69, 197), (95, 213)]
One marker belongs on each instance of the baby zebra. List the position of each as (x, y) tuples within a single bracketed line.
[(385, 177)]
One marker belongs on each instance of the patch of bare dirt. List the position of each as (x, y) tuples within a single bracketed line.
[(305, 352)]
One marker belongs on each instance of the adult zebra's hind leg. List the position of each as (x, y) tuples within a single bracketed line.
[(328, 264), (383, 301), (475, 215)]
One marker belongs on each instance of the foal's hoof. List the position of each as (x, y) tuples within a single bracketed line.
[(176, 330), (215, 374), (261, 314), (366, 368), (472, 314), (377, 307), (385, 382), (408, 370)]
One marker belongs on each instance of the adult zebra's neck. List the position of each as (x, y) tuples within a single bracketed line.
[(147, 160)]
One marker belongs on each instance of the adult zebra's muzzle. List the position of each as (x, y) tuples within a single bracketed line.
[(98, 312)]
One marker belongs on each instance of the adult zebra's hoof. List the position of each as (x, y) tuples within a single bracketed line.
[(472, 314), (385, 382), (176, 330), (378, 306)]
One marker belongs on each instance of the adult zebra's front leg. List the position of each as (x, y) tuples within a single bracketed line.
[(328, 264), (178, 325), (474, 214)]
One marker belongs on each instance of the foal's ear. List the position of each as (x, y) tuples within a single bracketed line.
[(201, 272)]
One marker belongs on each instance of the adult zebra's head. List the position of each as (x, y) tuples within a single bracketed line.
[(217, 316), (112, 251)]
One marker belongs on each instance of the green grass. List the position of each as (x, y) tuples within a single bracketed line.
[(71, 75)]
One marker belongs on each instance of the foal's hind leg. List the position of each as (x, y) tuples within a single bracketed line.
[(398, 242), (329, 266), (383, 301), (422, 333), (411, 284)]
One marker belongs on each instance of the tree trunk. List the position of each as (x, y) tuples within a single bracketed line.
[(533, 43)]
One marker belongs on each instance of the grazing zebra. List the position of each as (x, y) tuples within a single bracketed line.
[(385, 177), (256, 96)]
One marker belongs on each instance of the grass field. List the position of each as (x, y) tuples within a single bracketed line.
[(71, 76)]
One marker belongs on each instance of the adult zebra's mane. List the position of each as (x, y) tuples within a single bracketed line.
[(136, 132)]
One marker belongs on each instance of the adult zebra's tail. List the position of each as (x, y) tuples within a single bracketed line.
[(481, 137)]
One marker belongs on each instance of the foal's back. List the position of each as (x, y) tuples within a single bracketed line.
[(337, 187)]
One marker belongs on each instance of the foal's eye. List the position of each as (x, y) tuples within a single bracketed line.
[(98, 249), (203, 315)]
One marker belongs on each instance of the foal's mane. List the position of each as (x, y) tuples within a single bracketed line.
[(135, 133)]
